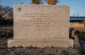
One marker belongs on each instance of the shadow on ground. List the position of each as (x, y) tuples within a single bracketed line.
[(4, 50)]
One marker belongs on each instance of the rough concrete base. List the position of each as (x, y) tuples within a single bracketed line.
[(25, 43)]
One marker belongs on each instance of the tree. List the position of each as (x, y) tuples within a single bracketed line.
[(35, 1), (80, 35), (1, 19), (84, 23), (1, 9), (52, 2), (7, 8)]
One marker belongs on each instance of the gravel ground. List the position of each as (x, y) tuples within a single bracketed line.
[(4, 50)]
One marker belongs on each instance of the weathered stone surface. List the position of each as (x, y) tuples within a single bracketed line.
[(41, 25)]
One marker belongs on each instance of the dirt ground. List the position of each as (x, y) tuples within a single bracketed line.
[(4, 50)]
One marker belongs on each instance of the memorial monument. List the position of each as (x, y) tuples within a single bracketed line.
[(40, 25)]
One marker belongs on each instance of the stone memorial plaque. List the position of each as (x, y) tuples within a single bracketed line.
[(41, 25)]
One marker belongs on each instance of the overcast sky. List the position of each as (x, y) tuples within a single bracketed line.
[(76, 6)]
